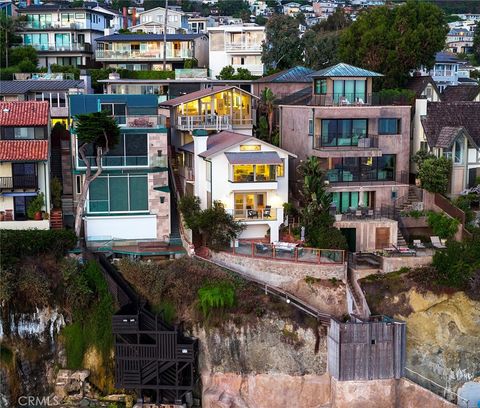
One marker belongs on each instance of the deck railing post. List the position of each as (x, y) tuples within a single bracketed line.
[(252, 249)]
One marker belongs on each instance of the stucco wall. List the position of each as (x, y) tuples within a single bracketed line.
[(392, 264), (280, 273), (294, 122)]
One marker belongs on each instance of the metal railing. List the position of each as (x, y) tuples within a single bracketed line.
[(341, 99), (347, 177), (20, 181), (116, 161), (218, 122), (147, 55), (59, 48), (141, 121), (243, 46), (354, 142), (436, 388), (292, 253), (255, 214)]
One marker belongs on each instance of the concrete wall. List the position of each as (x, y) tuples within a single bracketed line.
[(23, 225), (384, 393), (392, 264), (121, 227), (280, 273), (366, 232)]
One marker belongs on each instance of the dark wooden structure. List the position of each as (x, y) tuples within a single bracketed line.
[(366, 349), (151, 357)]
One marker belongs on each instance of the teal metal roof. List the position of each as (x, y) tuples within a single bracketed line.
[(295, 74), (345, 70)]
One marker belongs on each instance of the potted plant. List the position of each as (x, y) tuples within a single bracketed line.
[(56, 194), (34, 208)]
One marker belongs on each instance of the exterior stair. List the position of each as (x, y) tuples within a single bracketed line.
[(400, 239)]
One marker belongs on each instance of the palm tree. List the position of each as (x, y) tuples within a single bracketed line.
[(314, 183), (267, 102)]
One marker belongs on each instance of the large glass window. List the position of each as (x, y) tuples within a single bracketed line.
[(320, 86), (117, 194), (345, 201), (343, 132), (459, 151), (13, 133), (363, 169), (39, 41), (248, 201), (62, 40), (249, 173), (388, 126), (131, 150), (349, 91)]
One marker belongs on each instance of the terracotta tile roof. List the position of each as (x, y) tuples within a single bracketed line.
[(20, 150), (29, 113)]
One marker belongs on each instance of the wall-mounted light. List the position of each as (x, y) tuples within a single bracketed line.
[(162, 200)]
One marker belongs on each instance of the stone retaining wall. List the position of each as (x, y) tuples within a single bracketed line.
[(280, 273)]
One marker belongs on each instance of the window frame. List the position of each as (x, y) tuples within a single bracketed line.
[(387, 132)]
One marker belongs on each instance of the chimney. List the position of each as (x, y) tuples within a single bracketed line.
[(134, 16), (200, 144), (125, 18)]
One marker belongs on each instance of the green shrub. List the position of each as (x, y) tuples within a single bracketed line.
[(35, 206), (434, 174), (190, 63), (56, 192), (218, 295), (465, 204), (66, 69), (442, 225), (75, 346), (396, 95), (16, 244), (146, 74)]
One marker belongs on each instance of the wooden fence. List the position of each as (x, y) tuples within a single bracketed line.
[(366, 349)]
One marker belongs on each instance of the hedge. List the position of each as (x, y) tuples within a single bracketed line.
[(16, 244)]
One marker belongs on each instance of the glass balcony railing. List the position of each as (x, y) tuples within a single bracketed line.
[(218, 122), (255, 214), (147, 55), (63, 47), (243, 46), (141, 121), (116, 161)]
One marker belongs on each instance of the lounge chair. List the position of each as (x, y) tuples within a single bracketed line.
[(418, 244), (437, 243)]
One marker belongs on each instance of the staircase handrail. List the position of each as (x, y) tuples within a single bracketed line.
[(445, 390)]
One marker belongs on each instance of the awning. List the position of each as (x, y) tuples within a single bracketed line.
[(254, 158), (19, 194), (164, 189)]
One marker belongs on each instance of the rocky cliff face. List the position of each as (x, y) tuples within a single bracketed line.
[(443, 334), (271, 362), (30, 353)]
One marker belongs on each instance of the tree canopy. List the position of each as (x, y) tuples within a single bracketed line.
[(228, 72), (476, 43), (394, 41), (98, 128), (282, 48)]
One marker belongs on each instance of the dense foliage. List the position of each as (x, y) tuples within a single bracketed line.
[(228, 72), (98, 129), (16, 245), (459, 265), (442, 225), (393, 41), (434, 173), (215, 225), (282, 48), (216, 296), (315, 208)]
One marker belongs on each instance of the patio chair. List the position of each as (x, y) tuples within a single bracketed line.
[(370, 213), (358, 213), (267, 211), (437, 243), (418, 244), (252, 213)]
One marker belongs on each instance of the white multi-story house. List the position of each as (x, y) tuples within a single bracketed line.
[(62, 34), (249, 176), (199, 25), (153, 21), (237, 45)]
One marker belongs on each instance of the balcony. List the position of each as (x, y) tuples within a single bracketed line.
[(257, 214), (243, 46), (255, 69), (61, 48), (355, 146), (305, 97), (57, 25), (19, 182), (141, 121), (354, 178), (213, 122), (150, 55)]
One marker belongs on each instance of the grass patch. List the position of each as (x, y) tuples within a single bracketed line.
[(93, 325), (216, 296)]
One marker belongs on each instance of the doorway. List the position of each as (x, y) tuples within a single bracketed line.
[(350, 235)]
